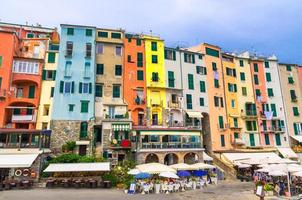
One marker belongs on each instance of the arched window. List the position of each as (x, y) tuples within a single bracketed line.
[(83, 130)]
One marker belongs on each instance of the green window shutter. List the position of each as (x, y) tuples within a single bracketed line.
[(202, 86), (288, 68), (222, 140), (154, 59), (241, 63), (54, 75), (116, 35), (29, 111), (70, 31), (103, 34), (212, 52), (80, 87), (266, 64), (201, 101), (268, 77), (51, 57), (256, 80), (193, 58), (44, 74), (296, 111), (191, 81), (198, 69), (1, 61), (266, 136), (83, 129), (140, 75), (154, 46), (258, 93), (116, 91), (236, 135), (235, 87), (166, 54), (98, 90), (244, 92), (216, 83), (31, 92), (118, 70), (189, 101), (293, 95), (72, 87), (99, 68), (273, 109), (61, 86), (242, 76), (185, 57), (52, 90), (138, 42), (139, 59), (296, 129), (171, 79), (252, 139), (84, 106), (278, 139), (256, 67), (290, 80), (174, 55), (270, 92), (214, 66), (221, 123), (90, 88), (88, 32), (17, 111)]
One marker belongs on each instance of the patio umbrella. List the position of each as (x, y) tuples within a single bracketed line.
[(242, 166), (299, 173), (199, 173), (154, 168), (277, 173), (183, 173), (142, 175), (133, 171), (182, 166), (168, 175), (203, 166)]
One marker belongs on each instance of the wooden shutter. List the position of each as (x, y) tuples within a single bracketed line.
[(44, 74), (54, 75), (31, 92), (72, 87), (80, 87), (61, 86), (90, 88)]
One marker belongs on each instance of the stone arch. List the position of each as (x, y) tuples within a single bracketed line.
[(170, 159), (151, 158), (191, 158)]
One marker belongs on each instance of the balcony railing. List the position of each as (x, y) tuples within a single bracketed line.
[(122, 144), (273, 129), (139, 101), (18, 118), (173, 104), (170, 145), (251, 113)]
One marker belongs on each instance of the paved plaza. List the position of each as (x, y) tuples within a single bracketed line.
[(226, 190)]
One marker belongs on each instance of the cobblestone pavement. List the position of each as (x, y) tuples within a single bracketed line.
[(226, 190)]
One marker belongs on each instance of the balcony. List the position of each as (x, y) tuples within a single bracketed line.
[(249, 114), (23, 118), (170, 145), (175, 105), (139, 101), (123, 144), (273, 129), (156, 103), (238, 141)]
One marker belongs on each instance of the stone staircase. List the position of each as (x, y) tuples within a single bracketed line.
[(230, 172)]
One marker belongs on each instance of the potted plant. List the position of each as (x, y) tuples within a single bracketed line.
[(214, 178), (157, 186), (268, 188), (194, 184)]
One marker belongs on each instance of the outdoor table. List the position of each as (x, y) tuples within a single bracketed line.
[(25, 184), (93, 183), (77, 183), (107, 184), (65, 183)]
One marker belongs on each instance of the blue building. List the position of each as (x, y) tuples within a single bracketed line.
[(73, 104)]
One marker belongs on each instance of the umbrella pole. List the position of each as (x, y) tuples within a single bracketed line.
[(288, 184)]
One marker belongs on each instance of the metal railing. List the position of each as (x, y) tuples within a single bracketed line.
[(170, 145)]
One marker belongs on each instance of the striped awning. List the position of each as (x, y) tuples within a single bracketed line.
[(120, 127)]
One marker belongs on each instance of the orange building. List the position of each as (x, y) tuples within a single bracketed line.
[(134, 78)]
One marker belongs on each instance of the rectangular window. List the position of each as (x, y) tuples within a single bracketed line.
[(88, 50), (66, 87), (201, 101), (139, 59), (88, 32), (256, 67), (103, 34), (278, 139), (290, 80), (171, 79), (84, 88), (233, 103), (189, 101), (222, 140), (270, 92), (70, 107), (99, 48), (273, 109), (170, 54), (116, 91), (231, 72), (216, 83), (116, 35), (216, 101), (52, 91), (251, 125), (1, 58), (235, 122), (268, 77), (202, 85), (51, 57), (242, 76), (212, 52), (296, 111), (214, 66), (69, 48), (266, 64), (140, 75), (155, 77), (258, 93), (244, 91), (154, 59), (241, 63), (99, 90), (288, 68), (191, 81), (201, 70), (129, 59), (154, 46), (232, 87), (256, 80), (138, 42), (189, 58), (252, 139), (221, 123), (30, 35), (25, 67), (118, 70), (70, 31), (118, 51), (84, 106), (293, 95), (236, 135), (31, 92), (99, 69)]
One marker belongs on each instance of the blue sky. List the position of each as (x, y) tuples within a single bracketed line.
[(262, 26)]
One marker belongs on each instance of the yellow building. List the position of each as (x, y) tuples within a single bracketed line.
[(48, 86), (155, 80)]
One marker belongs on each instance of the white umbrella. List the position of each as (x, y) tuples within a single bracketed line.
[(242, 166), (265, 169), (168, 175), (133, 171), (203, 166), (182, 166), (154, 168), (277, 173), (299, 173)]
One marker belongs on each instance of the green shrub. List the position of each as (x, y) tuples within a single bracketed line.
[(268, 187)]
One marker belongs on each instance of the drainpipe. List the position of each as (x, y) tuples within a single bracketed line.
[(181, 83)]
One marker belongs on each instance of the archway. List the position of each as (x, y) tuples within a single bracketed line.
[(152, 158), (171, 159), (190, 158)]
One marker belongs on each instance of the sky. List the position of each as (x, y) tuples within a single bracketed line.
[(264, 27)]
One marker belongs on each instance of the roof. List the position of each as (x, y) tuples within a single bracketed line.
[(75, 25), (78, 167), (17, 160), (38, 28), (14, 130)]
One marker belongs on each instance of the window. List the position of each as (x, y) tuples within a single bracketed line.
[(118, 50), (200, 57), (154, 46), (171, 79), (139, 59), (31, 92), (222, 140), (116, 91), (118, 70), (84, 106), (202, 85), (214, 66), (99, 90), (216, 83), (236, 135), (88, 32), (129, 59), (70, 31), (99, 48), (170, 54), (51, 57), (189, 101), (201, 70), (191, 81), (70, 107), (189, 58), (252, 139), (256, 67), (66, 87), (1, 59), (256, 81), (268, 77), (270, 92), (212, 52), (30, 35), (235, 120), (99, 69), (49, 75), (278, 139), (232, 87), (45, 110), (52, 91), (242, 76), (266, 64), (216, 101), (273, 109), (88, 50), (154, 59), (244, 91), (296, 111), (288, 68), (85, 88), (69, 48), (138, 42), (297, 128), (201, 101), (231, 72), (258, 93), (233, 103), (140, 75), (155, 77), (241, 63), (116, 35), (103, 34), (221, 123), (25, 67), (83, 130), (251, 125), (293, 95), (290, 80)]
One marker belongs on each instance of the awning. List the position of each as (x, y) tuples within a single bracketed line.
[(233, 157), (194, 114), (120, 127), (184, 133), (206, 157), (78, 167), (287, 153), (17, 160), (154, 168), (82, 142), (297, 137)]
